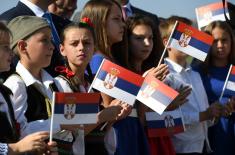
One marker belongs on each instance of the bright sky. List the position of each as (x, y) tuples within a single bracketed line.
[(163, 8)]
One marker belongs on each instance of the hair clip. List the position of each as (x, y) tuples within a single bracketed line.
[(87, 21)]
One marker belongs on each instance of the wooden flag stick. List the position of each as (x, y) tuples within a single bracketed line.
[(89, 90), (160, 61), (52, 116), (225, 84)]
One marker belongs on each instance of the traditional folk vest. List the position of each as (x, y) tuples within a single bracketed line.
[(9, 131), (39, 105)]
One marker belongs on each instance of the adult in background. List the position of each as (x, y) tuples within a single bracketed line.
[(130, 10), (63, 8), (26, 7)]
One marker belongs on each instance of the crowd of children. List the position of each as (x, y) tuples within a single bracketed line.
[(135, 43)]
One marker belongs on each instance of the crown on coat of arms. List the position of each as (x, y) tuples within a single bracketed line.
[(188, 32), (114, 71), (70, 99)]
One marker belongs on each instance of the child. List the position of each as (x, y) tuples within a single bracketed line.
[(142, 48), (8, 130), (213, 73), (32, 87), (77, 46), (127, 135), (196, 111)]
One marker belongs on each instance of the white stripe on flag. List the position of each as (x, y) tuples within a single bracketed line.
[(188, 50), (231, 85), (151, 116), (205, 22), (77, 119), (114, 92), (152, 103)]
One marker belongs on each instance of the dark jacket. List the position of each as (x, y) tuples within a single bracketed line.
[(19, 10)]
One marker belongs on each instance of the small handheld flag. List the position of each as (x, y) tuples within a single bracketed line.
[(189, 40), (209, 13), (155, 94), (169, 123), (117, 82), (76, 108), (229, 84)]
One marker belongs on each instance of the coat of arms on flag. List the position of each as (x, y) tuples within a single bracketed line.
[(191, 41), (169, 123), (211, 12), (75, 108), (111, 78)]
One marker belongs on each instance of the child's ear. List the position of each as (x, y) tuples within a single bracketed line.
[(21, 45), (62, 50), (164, 40)]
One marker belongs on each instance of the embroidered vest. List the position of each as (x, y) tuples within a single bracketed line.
[(39, 106), (8, 130)]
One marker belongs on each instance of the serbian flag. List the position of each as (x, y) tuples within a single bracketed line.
[(155, 94), (230, 86), (75, 108), (117, 82), (191, 41), (212, 12), (168, 123)]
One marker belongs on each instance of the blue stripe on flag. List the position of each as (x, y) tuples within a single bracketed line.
[(80, 108), (231, 78), (161, 123), (121, 84), (193, 42), (229, 93), (219, 12)]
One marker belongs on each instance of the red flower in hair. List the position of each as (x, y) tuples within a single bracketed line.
[(87, 21)]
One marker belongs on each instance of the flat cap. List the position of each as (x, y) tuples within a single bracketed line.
[(24, 26)]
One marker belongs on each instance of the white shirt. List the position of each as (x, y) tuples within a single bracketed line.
[(64, 86), (18, 85), (192, 140), (36, 10)]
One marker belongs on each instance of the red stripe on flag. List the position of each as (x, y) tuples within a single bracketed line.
[(199, 35), (233, 70), (162, 87), (77, 98), (211, 7), (160, 132), (124, 73)]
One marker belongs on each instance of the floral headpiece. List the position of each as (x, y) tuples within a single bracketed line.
[(86, 20)]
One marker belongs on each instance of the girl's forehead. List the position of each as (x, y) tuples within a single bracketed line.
[(77, 30)]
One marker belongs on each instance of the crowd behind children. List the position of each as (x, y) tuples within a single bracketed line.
[(129, 37)]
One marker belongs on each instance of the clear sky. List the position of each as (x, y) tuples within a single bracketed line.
[(163, 8)]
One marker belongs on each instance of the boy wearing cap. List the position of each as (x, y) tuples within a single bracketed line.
[(31, 85)]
